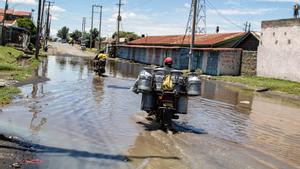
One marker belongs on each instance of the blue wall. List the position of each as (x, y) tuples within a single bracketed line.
[(206, 60)]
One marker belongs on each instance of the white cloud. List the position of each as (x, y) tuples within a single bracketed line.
[(57, 9), (277, 0), (56, 12), (28, 2), (245, 11)]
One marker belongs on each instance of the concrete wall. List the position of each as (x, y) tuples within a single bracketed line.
[(249, 63), (229, 63), (279, 50)]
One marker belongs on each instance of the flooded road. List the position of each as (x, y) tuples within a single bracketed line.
[(79, 120)]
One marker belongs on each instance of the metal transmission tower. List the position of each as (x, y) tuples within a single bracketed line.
[(200, 17), (92, 22), (83, 25), (196, 24)]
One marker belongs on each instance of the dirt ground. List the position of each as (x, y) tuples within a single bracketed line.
[(14, 155), (64, 49)]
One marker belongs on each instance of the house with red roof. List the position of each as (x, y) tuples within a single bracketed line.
[(244, 40), (13, 34), (214, 54), (12, 15)]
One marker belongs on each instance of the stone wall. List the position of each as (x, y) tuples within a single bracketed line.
[(249, 63)]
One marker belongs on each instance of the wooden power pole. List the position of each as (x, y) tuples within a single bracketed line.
[(119, 19), (37, 39), (191, 54)]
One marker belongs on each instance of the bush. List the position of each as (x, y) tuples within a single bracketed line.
[(30, 46)]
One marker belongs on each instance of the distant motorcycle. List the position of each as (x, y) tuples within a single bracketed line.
[(99, 66)]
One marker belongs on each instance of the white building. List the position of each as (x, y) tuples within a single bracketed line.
[(279, 50)]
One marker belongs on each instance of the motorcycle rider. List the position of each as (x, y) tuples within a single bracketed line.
[(100, 61)]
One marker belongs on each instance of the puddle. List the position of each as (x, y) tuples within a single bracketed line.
[(79, 120)]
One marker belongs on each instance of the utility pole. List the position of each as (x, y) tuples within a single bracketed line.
[(296, 9), (92, 22), (246, 26), (191, 54), (37, 40), (47, 23), (42, 17), (249, 27), (83, 28), (119, 19), (49, 28), (3, 23), (92, 25), (100, 28)]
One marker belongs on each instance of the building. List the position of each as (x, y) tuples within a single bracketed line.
[(221, 61), (279, 52), (215, 54), (12, 15), (13, 34), (246, 40)]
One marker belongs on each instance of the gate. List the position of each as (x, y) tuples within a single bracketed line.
[(212, 64)]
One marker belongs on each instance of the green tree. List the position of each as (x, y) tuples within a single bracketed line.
[(30, 26), (27, 24), (63, 32), (76, 35), (128, 35), (95, 34)]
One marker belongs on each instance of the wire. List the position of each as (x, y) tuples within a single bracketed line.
[(211, 6)]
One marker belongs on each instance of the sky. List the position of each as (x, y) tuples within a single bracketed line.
[(160, 17)]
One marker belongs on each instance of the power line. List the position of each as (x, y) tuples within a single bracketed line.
[(211, 6)]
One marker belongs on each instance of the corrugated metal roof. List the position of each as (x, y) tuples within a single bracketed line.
[(178, 47), (15, 12), (200, 39)]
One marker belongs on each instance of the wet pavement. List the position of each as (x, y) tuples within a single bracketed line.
[(80, 120)]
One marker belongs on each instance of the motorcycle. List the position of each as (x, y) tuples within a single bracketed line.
[(99, 66), (166, 104)]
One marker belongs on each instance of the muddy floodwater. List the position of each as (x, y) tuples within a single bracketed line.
[(81, 121)]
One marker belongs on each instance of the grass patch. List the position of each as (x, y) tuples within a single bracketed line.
[(261, 82), (7, 93), (12, 69)]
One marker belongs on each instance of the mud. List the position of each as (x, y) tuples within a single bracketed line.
[(80, 120)]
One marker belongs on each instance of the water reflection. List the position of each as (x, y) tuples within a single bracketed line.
[(61, 61), (123, 69), (242, 100), (98, 86), (35, 108), (275, 128), (269, 124)]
